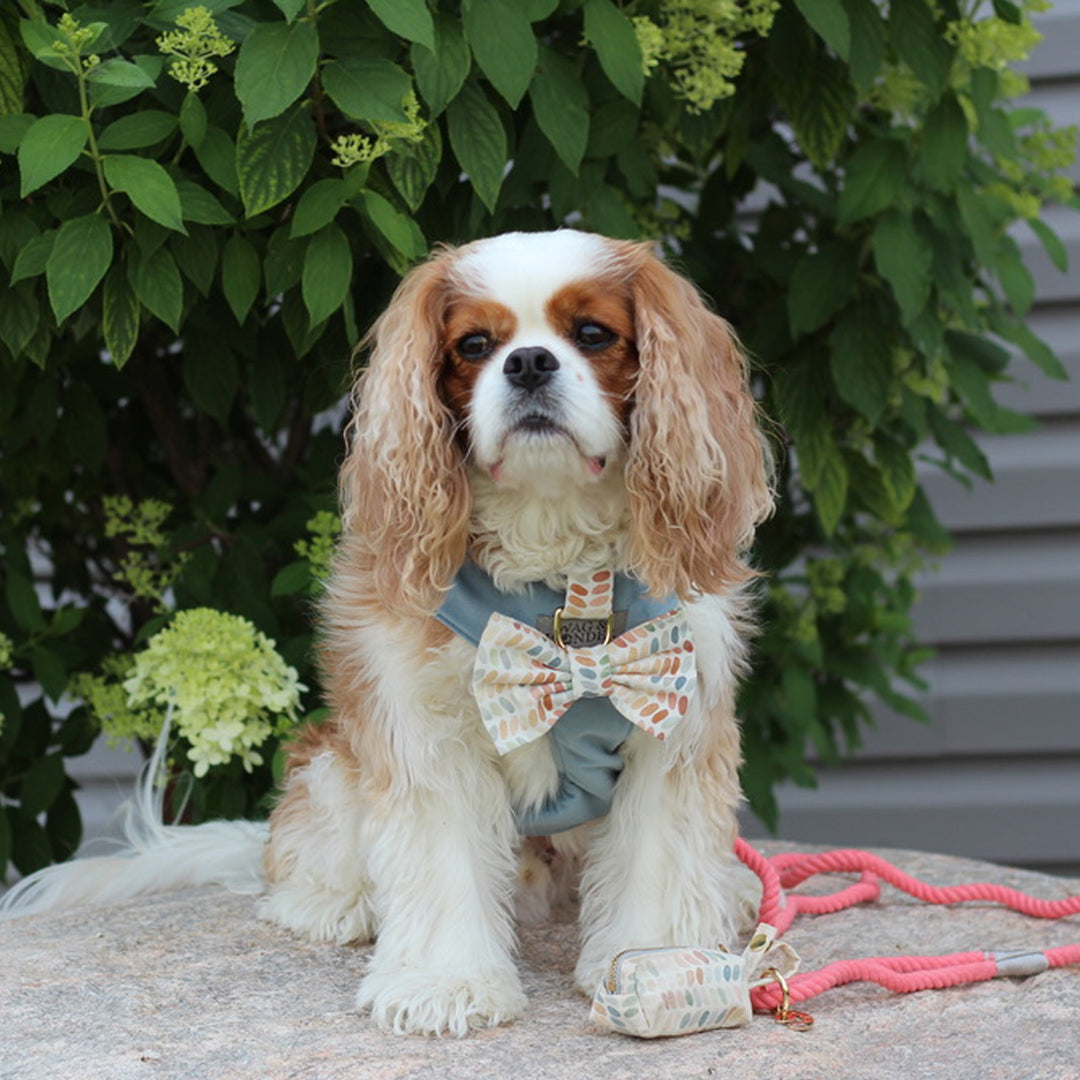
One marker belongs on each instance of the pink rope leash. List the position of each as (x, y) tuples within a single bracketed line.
[(901, 974)]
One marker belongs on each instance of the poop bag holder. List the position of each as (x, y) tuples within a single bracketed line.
[(676, 990)]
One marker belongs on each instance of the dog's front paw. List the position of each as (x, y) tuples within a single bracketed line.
[(441, 1003)]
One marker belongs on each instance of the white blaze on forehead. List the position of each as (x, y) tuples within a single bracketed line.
[(524, 270)]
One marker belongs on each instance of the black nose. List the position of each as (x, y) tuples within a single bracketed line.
[(530, 368)]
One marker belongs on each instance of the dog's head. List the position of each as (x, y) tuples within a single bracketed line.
[(550, 360)]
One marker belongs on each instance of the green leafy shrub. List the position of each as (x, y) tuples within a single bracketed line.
[(201, 208)]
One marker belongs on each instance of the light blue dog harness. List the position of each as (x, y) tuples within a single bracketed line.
[(586, 739)]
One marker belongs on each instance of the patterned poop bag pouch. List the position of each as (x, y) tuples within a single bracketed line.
[(676, 990)]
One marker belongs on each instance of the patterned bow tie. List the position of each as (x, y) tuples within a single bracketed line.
[(524, 682)]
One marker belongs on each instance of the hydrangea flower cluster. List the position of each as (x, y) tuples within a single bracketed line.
[(323, 529), (229, 687), (696, 40), (192, 46), (7, 651), (147, 568), (359, 149)]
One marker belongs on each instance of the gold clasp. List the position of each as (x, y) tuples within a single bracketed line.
[(556, 628), (785, 1014)]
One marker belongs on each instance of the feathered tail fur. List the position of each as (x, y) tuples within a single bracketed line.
[(151, 858)]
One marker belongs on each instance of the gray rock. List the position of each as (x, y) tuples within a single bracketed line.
[(192, 986)]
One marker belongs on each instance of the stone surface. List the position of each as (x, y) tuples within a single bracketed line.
[(192, 986)]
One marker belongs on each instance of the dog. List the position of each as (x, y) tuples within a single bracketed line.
[(548, 418)]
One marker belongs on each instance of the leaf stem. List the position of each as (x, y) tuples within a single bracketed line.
[(95, 153)]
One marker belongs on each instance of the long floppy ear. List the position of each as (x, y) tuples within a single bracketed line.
[(697, 474), (403, 488)]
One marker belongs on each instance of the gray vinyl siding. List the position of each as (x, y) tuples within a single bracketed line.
[(997, 773)]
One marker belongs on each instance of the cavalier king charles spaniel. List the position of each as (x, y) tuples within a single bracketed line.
[(550, 419)]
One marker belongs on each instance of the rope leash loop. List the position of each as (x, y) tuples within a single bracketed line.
[(900, 974)]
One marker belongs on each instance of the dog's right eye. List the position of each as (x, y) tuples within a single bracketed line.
[(475, 346)]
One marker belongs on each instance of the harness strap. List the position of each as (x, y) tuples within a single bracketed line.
[(901, 974)]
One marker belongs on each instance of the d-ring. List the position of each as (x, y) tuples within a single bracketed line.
[(785, 1014)]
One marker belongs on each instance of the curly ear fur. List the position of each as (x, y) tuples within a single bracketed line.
[(403, 488), (697, 474)]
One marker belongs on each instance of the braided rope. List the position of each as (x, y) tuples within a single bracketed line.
[(901, 974)]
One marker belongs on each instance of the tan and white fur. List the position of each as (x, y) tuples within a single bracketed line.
[(545, 404)]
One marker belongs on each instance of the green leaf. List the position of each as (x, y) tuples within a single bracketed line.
[(156, 282), (413, 170), (284, 262), (199, 206), (22, 600), (149, 187), (43, 782), (13, 72), (13, 128), (978, 223), (860, 361), (876, 174), (945, 144), (441, 73), (217, 155), (502, 41), (897, 470), (831, 486), (193, 119), (77, 262), (121, 74), (821, 109), (1014, 276), (273, 158), (291, 578), (196, 255), (19, 316), (820, 285), (275, 65), (399, 229), (958, 444), (212, 379), (920, 42), (137, 130), (904, 258), (409, 19), (241, 273), (318, 206), (1036, 350), (367, 89), (479, 141), (612, 35), (33, 257), (561, 107), (49, 671), (119, 317), (1051, 243), (290, 8), (829, 20), (50, 146), (38, 37), (867, 52), (973, 384), (63, 825), (327, 273)]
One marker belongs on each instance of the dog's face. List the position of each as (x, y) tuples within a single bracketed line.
[(540, 356), (549, 361)]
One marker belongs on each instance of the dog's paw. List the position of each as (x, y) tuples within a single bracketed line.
[(439, 1003)]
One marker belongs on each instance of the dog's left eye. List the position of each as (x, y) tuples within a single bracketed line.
[(592, 335)]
